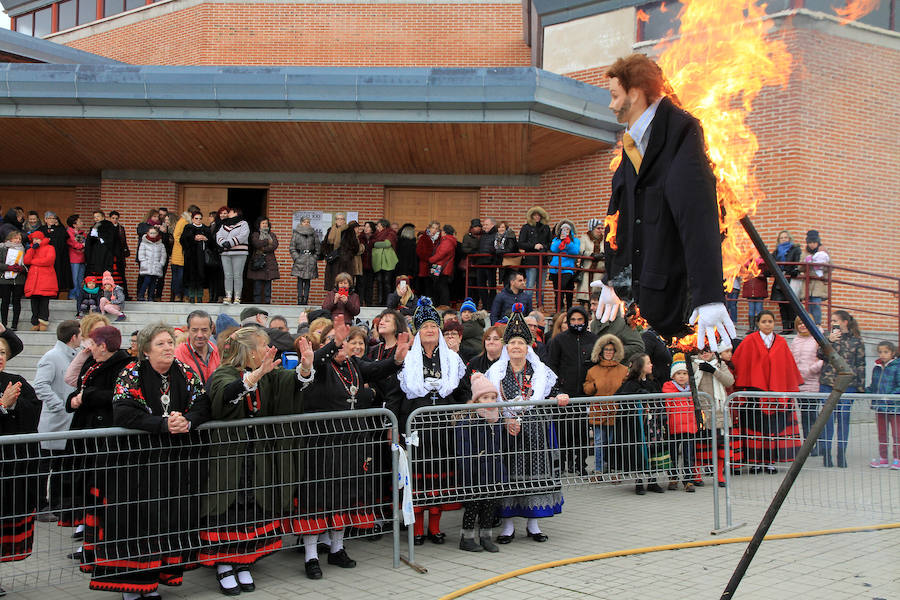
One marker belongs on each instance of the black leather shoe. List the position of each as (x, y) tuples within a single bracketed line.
[(313, 570), (721, 484), (245, 587), (437, 538), (639, 490), (699, 483), (654, 487), (78, 535), (538, 537), (341, 559), (376, 533), (418, 540), (232, 591), (79, 556), (506, 539)]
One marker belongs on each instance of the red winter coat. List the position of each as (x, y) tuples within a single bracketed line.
[(424, 250), (444, 253), (768, 369), (76, 248), (41, 279), (679, 411)]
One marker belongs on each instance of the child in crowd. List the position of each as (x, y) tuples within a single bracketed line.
[(152, 259), (603, 379), (886, 380), (480, 464), (473, 330), (682, 424), (112, 297), (90, 297), (713, 378), (12, 281)]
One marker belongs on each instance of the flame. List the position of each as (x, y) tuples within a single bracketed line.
[(637, 321), (642, 16), (855, 9), (617, 156), (686, 344), (612, 221)]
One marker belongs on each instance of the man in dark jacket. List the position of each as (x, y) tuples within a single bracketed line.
[(509, 295), (101, 245), (469, 246), (666, 253), (569, 356), (123, 251), (486, 277), (535, 236)]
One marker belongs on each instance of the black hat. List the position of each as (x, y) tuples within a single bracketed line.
[(813, 236), (579, 309), (425, 312), (252, 312), (517, 327), (475, 223)]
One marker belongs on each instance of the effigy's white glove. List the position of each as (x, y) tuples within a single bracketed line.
[(609, 305), (708, 318)]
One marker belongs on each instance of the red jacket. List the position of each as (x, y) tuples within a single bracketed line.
[(679, 411), (41, 279), (444, 253), (76, 248), (424, 250)]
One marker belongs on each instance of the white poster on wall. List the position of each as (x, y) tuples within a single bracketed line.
[(318, 220)]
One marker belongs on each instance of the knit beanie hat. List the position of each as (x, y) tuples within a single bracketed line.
[(108, 279), (481, 385), (468, 305), (425, 312), (678, 364)]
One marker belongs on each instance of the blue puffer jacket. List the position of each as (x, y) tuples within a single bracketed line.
[(573, 248), (886, 380)]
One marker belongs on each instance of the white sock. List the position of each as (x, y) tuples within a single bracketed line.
[(79, 529), (229, 581), (130, 596), (325, 538), (337, 540), (533, 526), (508, 526), (309, 545), (244, 577)]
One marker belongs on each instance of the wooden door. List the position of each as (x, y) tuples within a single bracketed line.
[(208, 198), (60, 200), (420, 206)]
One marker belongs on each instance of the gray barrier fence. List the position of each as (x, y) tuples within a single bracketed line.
[(229, 492), (527, 452), (845, 471)]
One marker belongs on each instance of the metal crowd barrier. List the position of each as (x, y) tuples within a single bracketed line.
[(281, 476), (456, 455), (764, 429)]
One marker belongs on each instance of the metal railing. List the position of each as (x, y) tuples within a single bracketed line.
[(767, 427), (537, 448), (229, 492)]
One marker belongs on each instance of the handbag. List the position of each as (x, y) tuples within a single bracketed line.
[(258, 262), (511, 261), (333, 256), (210, 257)]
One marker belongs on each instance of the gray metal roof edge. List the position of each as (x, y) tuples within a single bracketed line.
[(46, 51), (298, 93)]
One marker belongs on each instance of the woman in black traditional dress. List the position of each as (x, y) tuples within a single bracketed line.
[(639, 426), (534, 446), (431, 376), (20, 411), (337, 491), (92, 403), (196, 238), (150, 485), (253, 471)]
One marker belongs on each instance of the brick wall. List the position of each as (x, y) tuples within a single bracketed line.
[(449, 35)]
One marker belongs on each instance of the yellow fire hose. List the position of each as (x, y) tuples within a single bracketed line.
[(647, 549)]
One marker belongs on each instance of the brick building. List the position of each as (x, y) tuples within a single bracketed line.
[(420, 109)]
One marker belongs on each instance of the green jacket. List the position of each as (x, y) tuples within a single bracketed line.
[(275, 451), (631, 338), (383, 256)]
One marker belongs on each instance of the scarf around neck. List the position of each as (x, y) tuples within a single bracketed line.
[(782, 250), (542, 378), (412, 381)]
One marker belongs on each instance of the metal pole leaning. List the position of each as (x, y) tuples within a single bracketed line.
[(843, 381)]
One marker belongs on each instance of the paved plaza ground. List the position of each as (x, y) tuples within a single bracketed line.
[(595, 519)]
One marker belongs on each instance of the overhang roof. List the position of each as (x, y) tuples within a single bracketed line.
[(83, 119), (44, 51)]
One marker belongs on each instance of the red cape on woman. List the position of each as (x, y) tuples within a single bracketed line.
[(766, 369)]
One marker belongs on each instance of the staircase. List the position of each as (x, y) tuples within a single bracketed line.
[(139, 315)]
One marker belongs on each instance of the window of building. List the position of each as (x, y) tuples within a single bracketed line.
[(131, 4), (113, 7), (43, 21), (67, 14), (87, 11), (879, 17), (25, 24)]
